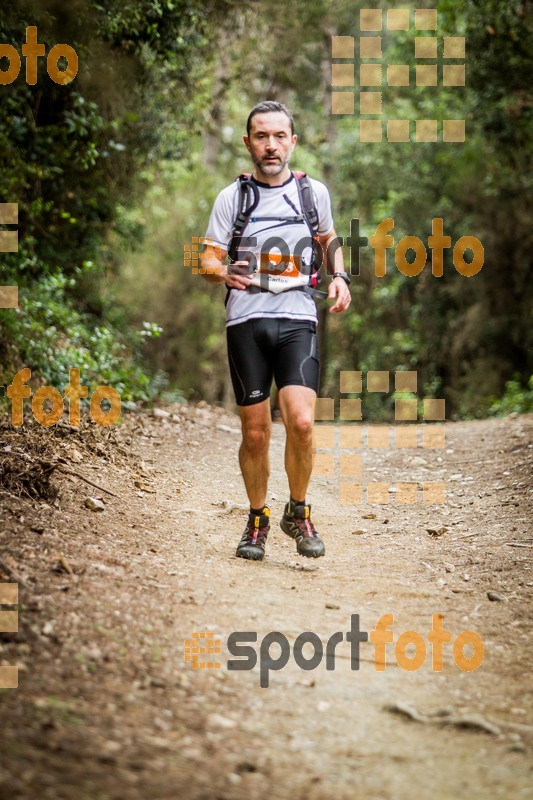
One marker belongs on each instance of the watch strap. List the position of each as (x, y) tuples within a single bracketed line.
[(343, 275)]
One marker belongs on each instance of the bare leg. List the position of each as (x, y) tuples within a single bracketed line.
[(297, 405), (253, 453)]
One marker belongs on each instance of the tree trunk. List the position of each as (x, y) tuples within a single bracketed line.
[(216, 117), (328, 169)]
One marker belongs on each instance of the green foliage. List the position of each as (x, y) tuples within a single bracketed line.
[(190, 311), (51, 337), (517, 399), (465, 336), (72, 157)]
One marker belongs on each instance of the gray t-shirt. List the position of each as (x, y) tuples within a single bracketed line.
[(274, 201)]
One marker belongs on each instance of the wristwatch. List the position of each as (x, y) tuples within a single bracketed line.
[(344, 276)]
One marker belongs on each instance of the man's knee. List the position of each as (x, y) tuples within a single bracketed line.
[(300, 425), (256, 436)]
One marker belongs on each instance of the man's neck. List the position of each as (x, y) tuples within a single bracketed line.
[(272, 180)]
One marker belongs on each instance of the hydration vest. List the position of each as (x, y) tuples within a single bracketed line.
[(248, 202)]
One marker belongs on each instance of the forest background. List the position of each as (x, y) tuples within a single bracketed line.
[(115, 172)]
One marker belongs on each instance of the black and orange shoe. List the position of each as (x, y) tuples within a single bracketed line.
[(252, 544), (296, 523)]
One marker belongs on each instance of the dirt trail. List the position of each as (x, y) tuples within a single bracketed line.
[(107, 708)]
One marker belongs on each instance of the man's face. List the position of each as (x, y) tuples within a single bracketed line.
[(270, 143)]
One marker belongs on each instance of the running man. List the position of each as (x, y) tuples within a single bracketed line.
[(271, 317)]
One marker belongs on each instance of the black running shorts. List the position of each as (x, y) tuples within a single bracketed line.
[(262, 349)]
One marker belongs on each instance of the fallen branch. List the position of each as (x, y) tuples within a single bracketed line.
[(514, 726), (517, 544), (474, 721), (11, 572), (61, 468), (10, 494), (469, 461), (468, 535)]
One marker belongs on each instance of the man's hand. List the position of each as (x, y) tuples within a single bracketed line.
[(238, 275), (339, 290)]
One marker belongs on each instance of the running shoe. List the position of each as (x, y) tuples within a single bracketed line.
[(296, 523), (252, 544)]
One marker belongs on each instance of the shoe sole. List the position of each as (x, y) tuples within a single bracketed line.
[(250, 556), (293, 537)]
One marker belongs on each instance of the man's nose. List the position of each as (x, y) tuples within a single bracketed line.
[(271, 144)]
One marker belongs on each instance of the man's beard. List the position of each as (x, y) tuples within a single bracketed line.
[(272, 168)]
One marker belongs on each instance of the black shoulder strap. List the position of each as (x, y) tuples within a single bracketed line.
[(245, 208), (307, 202), (310, 213)]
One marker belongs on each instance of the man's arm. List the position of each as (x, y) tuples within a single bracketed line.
[(211, 262), (334, 260), (212, 258), (215, 271)]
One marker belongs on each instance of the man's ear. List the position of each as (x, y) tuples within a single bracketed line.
[(246, 142)]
